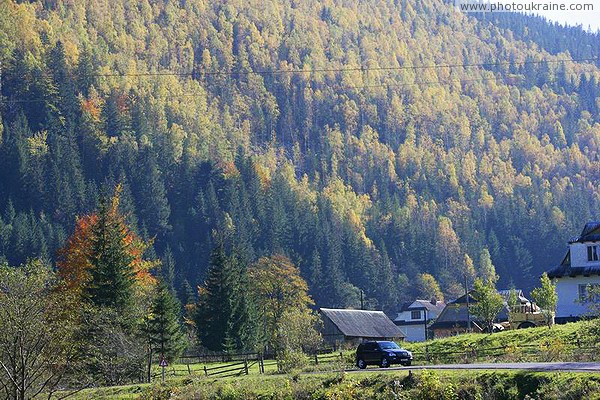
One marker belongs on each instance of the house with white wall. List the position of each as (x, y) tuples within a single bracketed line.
[(414, 318), (577, 273)]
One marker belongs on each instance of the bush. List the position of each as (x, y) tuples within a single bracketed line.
[(292, 360), (430, 387)]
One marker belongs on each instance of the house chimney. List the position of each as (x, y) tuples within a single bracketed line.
[(433, 301)]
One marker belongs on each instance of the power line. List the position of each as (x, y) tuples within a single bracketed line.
[(329, 70), (388, 85), (339, 70), (398, 68)]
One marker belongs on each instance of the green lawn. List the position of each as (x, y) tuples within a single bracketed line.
[(543, 344)]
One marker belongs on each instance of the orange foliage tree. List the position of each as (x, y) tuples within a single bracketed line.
[(74, 257)]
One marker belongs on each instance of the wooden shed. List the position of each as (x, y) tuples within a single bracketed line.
[(354, 326)]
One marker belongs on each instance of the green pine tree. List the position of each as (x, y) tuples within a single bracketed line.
[(165, 333), (225, 312), (112, 277), (213, 306)]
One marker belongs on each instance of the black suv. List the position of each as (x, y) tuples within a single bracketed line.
[(381, 353)]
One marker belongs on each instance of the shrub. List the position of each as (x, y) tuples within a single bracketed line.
[(292, 360)]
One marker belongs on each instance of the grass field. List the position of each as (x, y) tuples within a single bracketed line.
[(189, 381), (560, 343)]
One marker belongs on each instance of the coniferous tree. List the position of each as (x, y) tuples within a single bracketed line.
[(211, 318), (164, 330), (111, 275), (168, 269), (224, 316)]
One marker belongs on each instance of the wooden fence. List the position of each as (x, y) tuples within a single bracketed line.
[(234, 369)]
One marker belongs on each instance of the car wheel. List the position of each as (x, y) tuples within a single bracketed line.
[(384, 362), (361, 363)]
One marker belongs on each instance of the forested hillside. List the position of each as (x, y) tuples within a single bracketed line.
[(370, 141)]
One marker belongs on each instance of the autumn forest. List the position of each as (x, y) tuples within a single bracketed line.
[(388, 147)]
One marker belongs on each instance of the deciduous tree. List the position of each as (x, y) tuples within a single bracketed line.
[(278, 288), (489, 303), (546, 298), (37, 347)]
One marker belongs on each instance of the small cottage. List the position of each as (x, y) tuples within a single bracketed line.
[(578, 272), (414, 318), (342, 326)]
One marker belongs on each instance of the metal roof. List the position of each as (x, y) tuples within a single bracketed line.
[(362, 323)]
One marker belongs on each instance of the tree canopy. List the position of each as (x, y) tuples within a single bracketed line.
[(364, 151)]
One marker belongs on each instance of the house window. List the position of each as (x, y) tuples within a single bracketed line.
[(415, 314), (589, 293), (593, 253)]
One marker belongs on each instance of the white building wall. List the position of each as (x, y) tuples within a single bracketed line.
[(407, 316), (567, 289), (579, 255), (413, 333)]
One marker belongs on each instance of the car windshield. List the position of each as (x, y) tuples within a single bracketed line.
[(388, 345)]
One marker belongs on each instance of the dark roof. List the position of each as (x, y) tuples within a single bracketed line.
[(361, 323), (438, 306), (453, 314), (423, 305), (463, 299), (590, 233)]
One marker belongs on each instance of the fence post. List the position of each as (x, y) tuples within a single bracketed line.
[(261, 364), (426, 354), (189, 370), (341, 356), (205, 371), (316, 358), (246, 366)]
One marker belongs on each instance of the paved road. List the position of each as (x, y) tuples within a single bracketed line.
[(530, 366)]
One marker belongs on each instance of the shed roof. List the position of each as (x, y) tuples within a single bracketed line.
[(362, 323)]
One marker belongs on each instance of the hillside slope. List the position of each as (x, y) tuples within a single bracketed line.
[(371, 141)]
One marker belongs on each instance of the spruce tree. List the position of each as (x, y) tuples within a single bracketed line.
[(213, 310), (165, 333), (111, 274), (225, 318), (168, 269)]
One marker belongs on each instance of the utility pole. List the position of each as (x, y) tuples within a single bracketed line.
[(425, 324), (468, 309), (362, 304)]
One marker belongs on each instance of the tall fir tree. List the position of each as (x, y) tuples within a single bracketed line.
[(165, 333), (211, 318), (224, 316), (112, 276)]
